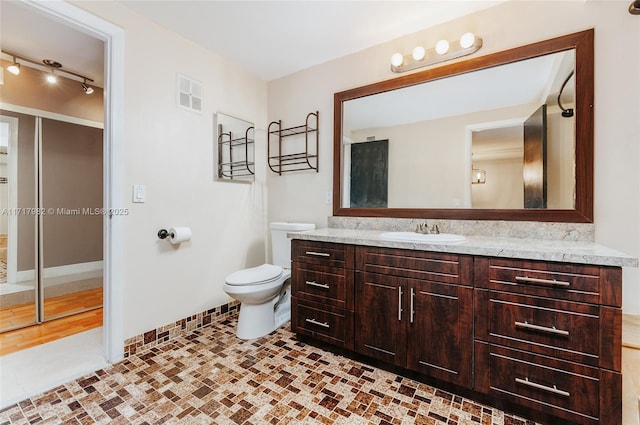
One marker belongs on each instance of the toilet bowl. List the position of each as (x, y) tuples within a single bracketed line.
[(264, 292)]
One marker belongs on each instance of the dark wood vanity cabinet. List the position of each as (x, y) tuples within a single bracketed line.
[(322, 291), (547, 336), (414, 309), (543, 335)]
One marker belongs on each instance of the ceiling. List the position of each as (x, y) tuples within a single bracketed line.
[(269, 39), (27, 32), (272, 39)]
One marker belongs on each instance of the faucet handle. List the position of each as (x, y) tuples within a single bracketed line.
[(435, 230)]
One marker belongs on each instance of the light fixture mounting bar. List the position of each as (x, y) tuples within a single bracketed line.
[(42, 64), (432, 57)]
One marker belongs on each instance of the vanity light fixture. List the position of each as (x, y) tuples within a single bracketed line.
[(52, 67), (442, 47), (444, 50), (478, 176)]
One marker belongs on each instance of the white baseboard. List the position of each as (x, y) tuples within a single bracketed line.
[(57, 271)]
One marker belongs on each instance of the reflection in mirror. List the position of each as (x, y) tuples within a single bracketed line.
[(509, 135), (235, 149), (435, 141)]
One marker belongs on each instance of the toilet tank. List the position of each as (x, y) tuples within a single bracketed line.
[(281, 244)]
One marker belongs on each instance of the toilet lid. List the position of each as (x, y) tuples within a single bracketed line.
[(255, 275)]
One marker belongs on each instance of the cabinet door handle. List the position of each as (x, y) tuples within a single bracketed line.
[(553, 389), (316, 284), (539, 328), (399, 303), (318, 254), (543, 281), (412, 311), (315, 322)]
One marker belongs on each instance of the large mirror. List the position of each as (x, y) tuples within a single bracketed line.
[(506, 136)]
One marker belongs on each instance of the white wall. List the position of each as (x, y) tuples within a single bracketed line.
[(171, 151), (301, 196)]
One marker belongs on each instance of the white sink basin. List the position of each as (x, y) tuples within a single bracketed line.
[(422, 237)]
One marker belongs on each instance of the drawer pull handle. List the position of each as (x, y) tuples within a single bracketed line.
[(543, 281), (315, 322), (319, 285), (318, 254), (553, 389), (545, 329)]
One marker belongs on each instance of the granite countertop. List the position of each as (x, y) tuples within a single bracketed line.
[(581, 252)]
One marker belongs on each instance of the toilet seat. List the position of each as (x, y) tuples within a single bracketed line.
[(255, 275)]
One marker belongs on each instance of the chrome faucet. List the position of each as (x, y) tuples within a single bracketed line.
[(424, 228)]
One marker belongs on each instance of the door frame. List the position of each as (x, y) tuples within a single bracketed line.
[(12, 186), (113, 231)]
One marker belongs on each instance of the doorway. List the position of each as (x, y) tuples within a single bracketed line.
[(112, 38)]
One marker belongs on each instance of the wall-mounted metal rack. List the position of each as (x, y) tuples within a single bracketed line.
[(301, 158), (233, 154)]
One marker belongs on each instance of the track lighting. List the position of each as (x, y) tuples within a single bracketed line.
[(54, 69), (443, 50), (14, 68), (87, 88), (51, 78)]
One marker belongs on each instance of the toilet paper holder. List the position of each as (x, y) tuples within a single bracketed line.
[(164, 234)]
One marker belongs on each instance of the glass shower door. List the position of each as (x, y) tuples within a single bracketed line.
[(18, 221), (72, 225)]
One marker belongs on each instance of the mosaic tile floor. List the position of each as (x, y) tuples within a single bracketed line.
[(210, 377)]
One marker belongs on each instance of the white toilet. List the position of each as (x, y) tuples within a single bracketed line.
[(264, 291)]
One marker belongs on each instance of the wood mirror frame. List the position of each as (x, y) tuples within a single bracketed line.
[(582, 42)]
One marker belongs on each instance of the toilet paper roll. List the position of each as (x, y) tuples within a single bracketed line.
[(179, 234)]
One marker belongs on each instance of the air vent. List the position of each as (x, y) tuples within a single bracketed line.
[(189, 94)]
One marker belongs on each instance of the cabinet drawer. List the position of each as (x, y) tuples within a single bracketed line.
[(322, 253), (561, 329), (431, 266), (330, 324), (566, 390), (573, 282), (327, 285)]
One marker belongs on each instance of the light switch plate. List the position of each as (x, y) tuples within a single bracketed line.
[(138, 193)]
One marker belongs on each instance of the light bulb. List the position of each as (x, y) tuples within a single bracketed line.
[(51, 79), (397, 59), (467, 40), (442, 47), (14, 68), (418, 53)]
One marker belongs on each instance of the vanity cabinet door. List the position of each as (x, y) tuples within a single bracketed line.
[(381, 316), (440, 334)]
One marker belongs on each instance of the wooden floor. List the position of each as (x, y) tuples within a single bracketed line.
[(63, 305), (31, 336)]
